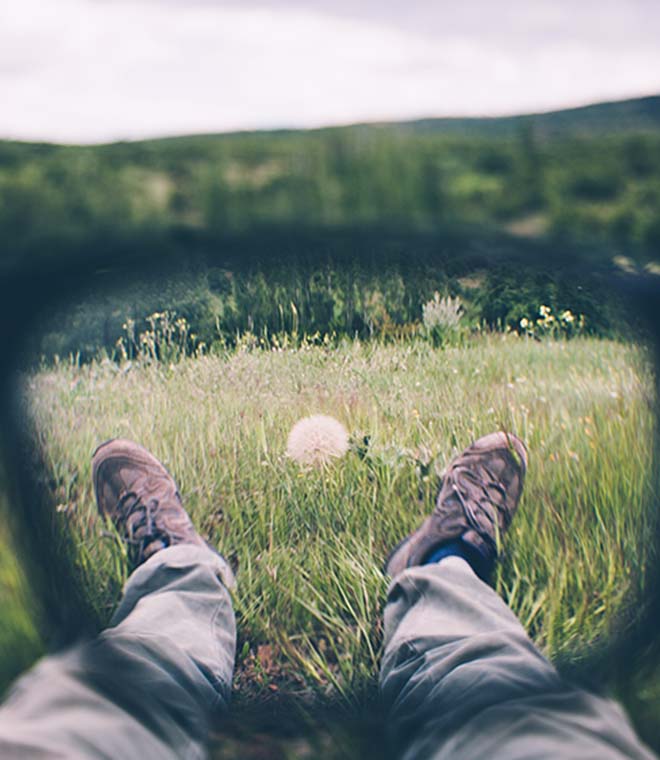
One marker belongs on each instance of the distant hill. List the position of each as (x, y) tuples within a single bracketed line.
[(622, 117), (588, 174), (639, 115)]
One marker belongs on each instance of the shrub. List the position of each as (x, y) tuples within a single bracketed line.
[(442, 318)]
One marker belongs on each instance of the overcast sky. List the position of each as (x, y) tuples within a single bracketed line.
[(99, 70)]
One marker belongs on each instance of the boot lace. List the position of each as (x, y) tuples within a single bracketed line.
[(489, 501), (139, 519)]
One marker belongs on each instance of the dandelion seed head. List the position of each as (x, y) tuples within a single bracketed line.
[(317, 440)]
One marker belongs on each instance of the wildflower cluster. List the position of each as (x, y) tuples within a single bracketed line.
[(442, 318), (167, 339), (280, 342), (564, 324)]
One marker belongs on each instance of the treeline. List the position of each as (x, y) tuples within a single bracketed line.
[(347, 230), (601, 189)]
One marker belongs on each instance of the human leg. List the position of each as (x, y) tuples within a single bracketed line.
[(149, 685), (460, 678), (152, 682)]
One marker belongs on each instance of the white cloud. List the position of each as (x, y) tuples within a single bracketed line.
[(77, 70)]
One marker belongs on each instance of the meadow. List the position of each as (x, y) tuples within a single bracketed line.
[(309, 543), (243, 243)]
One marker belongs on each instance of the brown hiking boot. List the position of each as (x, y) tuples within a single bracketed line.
[(478, 497), (141, 498)]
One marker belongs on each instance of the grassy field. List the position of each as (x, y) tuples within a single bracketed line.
[(20, 643), (309, 544)]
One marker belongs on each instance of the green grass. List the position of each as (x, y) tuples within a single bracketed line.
[(20, 643), (310, 543)]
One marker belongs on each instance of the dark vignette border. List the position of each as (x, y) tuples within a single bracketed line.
[(30, 291)]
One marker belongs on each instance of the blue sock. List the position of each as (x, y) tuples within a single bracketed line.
[(458, 548)]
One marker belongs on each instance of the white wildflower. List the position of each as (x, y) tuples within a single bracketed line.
[(442, 313), (317, 440)]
